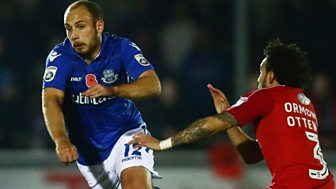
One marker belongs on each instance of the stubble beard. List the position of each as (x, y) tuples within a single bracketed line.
[(262, 84), (90, 51)]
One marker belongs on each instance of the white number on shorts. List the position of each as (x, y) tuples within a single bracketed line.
[(317, 174)]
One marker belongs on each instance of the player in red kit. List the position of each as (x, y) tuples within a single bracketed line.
[(283, 118)]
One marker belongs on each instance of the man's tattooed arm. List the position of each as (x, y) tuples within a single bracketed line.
[(204, 127)]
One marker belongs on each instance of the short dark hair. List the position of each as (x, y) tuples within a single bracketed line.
[(95, 10), (289, 64)]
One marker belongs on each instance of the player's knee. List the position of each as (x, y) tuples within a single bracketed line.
[(136, 178), (135, 185)]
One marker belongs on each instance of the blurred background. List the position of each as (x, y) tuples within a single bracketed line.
[(190, 43)]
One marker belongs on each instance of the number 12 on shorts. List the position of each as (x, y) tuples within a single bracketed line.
[(131, 151), (317, 174)]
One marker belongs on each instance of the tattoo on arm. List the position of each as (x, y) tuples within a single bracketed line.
[(204, 127), (228, 118), (197, 130)]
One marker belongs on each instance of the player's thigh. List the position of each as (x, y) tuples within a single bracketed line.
[(99, 177), (136, 177), (127, 156)]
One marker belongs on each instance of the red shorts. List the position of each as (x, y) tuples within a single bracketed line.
[(328, 185), (296, 178)]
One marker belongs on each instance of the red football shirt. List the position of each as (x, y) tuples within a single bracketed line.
[(285, 123)]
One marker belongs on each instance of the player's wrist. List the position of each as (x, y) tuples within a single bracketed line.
[(166, 144), (61, 140), (230, 127), (111, 91)]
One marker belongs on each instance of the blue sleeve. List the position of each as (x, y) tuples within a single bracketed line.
[(57, 71), (134, 61)]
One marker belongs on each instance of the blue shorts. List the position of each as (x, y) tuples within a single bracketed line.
[(107, 173)]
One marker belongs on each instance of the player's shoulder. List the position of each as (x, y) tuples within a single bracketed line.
[(258, 91), (64, 47), (113, 39), (113, 43), (122, 42), (268, 91), (60, 52)]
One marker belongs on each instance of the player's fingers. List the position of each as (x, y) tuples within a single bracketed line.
[(62, 159), (74, 155), (210, 86), (87, 92), (140, 134), (97, 92), (91, 90), (218, 94), (62, 155), (69, 160), (136, 145), (65, 159), (138, 140), (215, 96), (90, 93), (135, 142), (213, 91), (222, 94), (94, 95), (68, 155)]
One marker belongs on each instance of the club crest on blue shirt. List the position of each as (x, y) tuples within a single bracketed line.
[(141, 59), (109, 76)]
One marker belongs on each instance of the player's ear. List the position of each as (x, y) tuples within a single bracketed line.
[(100, 25), (270, 76)]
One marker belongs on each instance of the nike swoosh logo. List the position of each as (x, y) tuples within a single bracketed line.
[(53, 57)]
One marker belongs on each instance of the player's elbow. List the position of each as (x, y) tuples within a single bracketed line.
[(154, 89), (46, 102), (156, 85), (157, 89), (250, 152), (253, 160), (150, 83), (50, 102), (48, 105)]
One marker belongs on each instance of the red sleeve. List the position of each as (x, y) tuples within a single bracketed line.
[(252, 106)]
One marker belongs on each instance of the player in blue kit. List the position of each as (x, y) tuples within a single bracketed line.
[(88, 87)]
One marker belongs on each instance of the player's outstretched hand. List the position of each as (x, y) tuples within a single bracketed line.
[(99, 91), (141, 139), (219, 99), (66, 152)]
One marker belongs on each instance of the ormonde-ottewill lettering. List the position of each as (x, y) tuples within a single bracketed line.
[(301, 119)]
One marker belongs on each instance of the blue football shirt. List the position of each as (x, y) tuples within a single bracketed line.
[(95, 124)]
